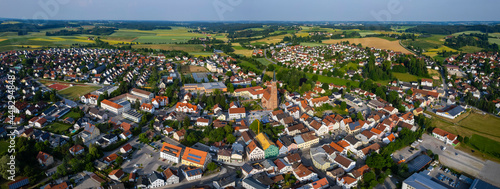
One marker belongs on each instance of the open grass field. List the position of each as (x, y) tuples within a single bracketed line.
[(466, 32), (485, 145), (57, 127), (192, 69), (264, 61), (401, 28), (372, 42), (469, 124), (169, 47), (312, 44), (406, 77), (271, 39), (349, 66), (334, 80), (75, 92), (243, 51), (471, 49), (203, 54), (494, 40)]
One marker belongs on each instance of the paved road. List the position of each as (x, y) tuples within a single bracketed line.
[(461, 161), (205, 180)]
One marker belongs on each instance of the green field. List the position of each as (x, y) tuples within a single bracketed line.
[(156, 39), (312, 44), (4, 145), (264, 61), (76, 91), (469, 124), (471, 49), (57, 127), (334, 80), (406, 77), (485, 145), (72, 114), (494, 40)]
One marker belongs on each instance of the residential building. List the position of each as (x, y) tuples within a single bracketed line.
[(192, 173), (44, 159), (116, 174), (270, 149), (195, 158), (254, 152), (170, 152), (171, 176)]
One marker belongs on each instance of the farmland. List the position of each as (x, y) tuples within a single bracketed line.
[(371, 42)]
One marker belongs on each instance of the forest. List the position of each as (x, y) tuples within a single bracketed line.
[(473, 39), (93, 31), (450, 29)]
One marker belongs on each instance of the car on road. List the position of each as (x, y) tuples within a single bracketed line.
[(420, 140)]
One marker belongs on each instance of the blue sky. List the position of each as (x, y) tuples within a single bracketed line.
[(258, 10)]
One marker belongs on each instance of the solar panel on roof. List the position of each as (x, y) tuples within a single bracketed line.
[(195, 156), (190, 158)]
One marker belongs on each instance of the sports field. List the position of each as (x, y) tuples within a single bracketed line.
[(372, 42), (58, 86), (75, 92)]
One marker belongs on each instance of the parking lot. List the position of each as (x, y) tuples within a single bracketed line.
[(447, 178), (461, 161), (146, 157)]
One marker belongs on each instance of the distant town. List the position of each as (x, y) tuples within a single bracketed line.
[(288, 115)]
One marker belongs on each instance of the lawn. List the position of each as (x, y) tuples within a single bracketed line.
[(72, 114), (58, 127), (76, 91), (406, 76)]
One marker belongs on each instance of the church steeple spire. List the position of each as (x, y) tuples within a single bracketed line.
[(274, 75)]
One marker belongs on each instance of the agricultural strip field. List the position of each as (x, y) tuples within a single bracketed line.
[(170, 47), (372, 42)]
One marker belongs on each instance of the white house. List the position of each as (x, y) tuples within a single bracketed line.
[(156, 180), (171, 152), (237, 113), (192, 173)]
